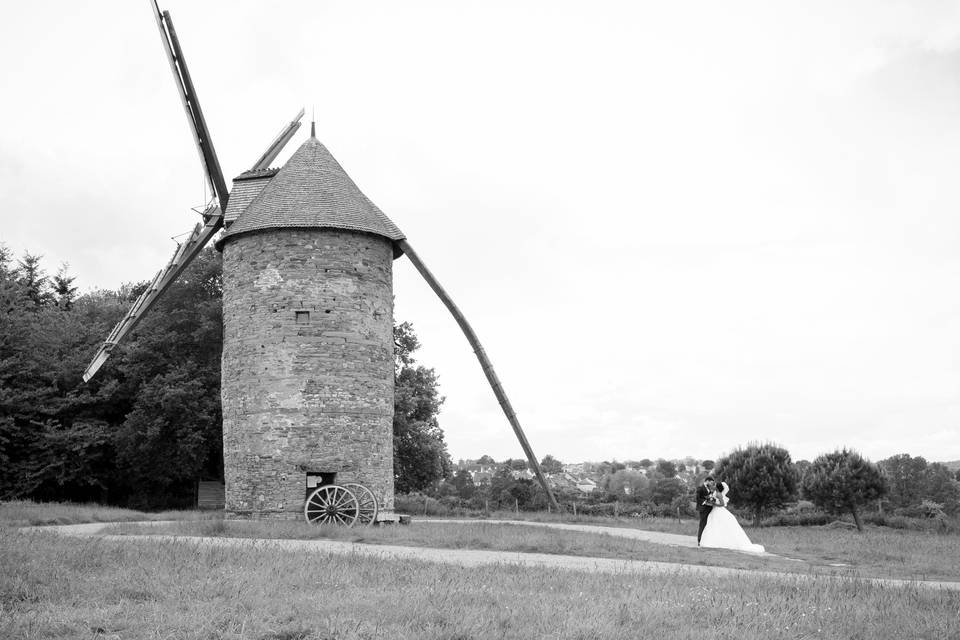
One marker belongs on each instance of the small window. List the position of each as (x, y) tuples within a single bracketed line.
[(303, 317)]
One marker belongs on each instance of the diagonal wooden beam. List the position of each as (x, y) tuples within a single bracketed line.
[(484, 363)]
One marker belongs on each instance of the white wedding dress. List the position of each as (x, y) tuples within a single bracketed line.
[(724, 532)]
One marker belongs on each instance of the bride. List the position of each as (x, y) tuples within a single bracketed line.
[(722, 530)]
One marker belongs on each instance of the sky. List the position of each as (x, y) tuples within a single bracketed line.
[(677, 228)]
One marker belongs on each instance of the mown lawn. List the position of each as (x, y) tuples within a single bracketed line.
[(58, 587)]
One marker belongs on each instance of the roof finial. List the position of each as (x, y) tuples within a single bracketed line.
[(313, 123)]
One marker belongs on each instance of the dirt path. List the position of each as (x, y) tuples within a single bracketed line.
[(672, 539), (476, 558)]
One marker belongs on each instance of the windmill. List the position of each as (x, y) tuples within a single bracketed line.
[(307, 366)]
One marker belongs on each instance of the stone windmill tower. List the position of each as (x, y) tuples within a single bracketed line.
[(307, 368), (307, 378)]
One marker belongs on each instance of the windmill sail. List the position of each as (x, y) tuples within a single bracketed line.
[(186, 251), (212, 217), (278, 143), (191, 104), (182, 256)]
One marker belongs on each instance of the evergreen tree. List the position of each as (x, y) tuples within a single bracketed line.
[(761, 477), (63, 287), (843, 481), (34, 279)]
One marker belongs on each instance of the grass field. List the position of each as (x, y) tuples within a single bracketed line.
[(871, 554), (56, 587), (24, 513)]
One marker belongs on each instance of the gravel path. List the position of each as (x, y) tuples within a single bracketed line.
[(476, 557)]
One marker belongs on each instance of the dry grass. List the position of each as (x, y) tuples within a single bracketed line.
[(54, 587)]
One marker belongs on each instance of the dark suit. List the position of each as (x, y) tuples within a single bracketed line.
[(704, 509)]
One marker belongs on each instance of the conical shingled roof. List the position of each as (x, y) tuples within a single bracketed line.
[(313, 191)]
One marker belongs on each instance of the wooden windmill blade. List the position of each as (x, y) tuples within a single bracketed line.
[(278, 143), (186, 251), (485, 363), (182, 257), (212, 217), (191, 104)]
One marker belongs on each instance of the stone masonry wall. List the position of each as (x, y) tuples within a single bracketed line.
[(307, 369)]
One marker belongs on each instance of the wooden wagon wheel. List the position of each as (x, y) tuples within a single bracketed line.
[(332, 504), (368, 504)]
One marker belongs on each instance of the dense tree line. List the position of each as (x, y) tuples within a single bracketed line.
[(148, 425), (763, 478)]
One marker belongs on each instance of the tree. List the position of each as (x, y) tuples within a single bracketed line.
[(34, 279), (485, 459), (464, 484), (169, 431), (843, 481), (940, 486), (666, 490), (500, 485), (708, 464), (666, 468), (420, 457), (164, 444), (905, 479), (611, 467), (63, 287), (549, 464), (516, 464), (626, 482), (65, 440), (761, 477), (646, 463)]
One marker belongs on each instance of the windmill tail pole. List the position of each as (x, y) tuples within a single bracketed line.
[(484, 362)]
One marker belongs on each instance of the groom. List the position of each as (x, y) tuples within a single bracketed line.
[(703, 491)]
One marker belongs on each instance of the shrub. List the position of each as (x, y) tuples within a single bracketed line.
[(798, 519), (927, 510), (418, 504), (802, 506), (898, 521)]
